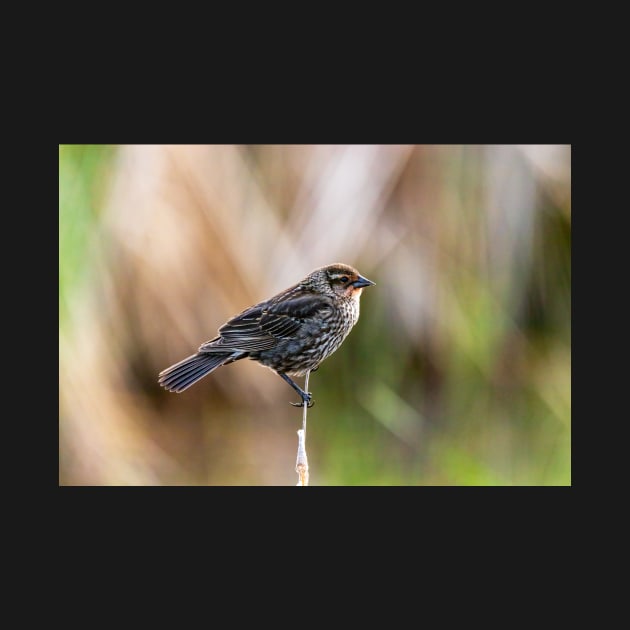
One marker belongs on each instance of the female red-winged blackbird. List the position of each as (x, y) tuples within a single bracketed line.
[(291, 333)]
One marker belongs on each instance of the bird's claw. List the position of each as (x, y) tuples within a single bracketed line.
[(308, 400)]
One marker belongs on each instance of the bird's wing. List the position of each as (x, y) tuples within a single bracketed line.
[(285, 318), (260, 327)]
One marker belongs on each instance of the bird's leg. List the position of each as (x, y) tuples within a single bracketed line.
[(306, 396)]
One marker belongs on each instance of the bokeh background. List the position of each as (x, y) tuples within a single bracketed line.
[(457, 373)]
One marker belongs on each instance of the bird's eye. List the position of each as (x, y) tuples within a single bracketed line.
[(344, 279)]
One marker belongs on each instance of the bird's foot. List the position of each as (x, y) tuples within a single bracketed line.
[(307, 398)]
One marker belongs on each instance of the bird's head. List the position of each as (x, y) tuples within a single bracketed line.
[(339, 280)]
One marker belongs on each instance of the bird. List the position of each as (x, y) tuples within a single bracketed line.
[(291, 333)]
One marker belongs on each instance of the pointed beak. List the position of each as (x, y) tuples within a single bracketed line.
[(362, 282)]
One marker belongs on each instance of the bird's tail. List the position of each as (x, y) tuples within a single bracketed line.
[(182, 375)]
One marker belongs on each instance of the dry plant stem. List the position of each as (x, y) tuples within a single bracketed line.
[(301, 465)]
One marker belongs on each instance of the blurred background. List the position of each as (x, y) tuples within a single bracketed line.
[(457, 373)]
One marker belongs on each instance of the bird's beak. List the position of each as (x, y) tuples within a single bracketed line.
[(362, 282)]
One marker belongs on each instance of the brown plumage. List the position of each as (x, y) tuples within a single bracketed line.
[(290, 333)]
